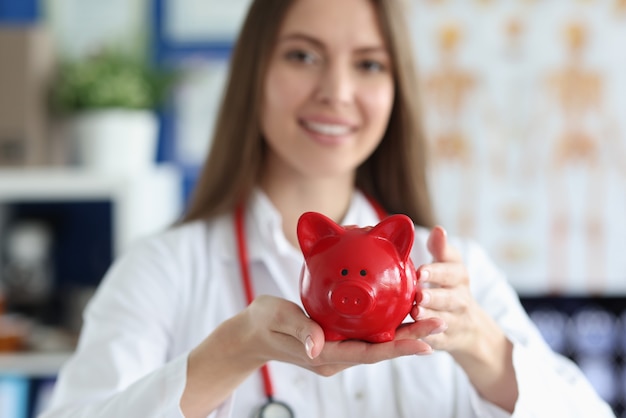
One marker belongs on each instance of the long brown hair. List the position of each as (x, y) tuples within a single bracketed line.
[(395, 173)]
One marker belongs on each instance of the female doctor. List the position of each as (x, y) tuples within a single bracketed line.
[(320, 110)]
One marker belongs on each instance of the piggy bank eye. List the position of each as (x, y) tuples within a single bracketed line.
[(344, 272), (363, 272)]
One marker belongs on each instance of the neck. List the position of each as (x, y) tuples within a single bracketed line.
[(329, 196)]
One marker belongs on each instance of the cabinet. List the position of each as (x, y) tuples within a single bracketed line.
[(137, 206)]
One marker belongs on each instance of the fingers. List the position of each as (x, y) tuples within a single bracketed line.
[(407, 341), (444, 300), (374, 353), (292, 321), (354, 352), (443, 274), (438, 300), (439, 248), (293, 334), (421, 328)]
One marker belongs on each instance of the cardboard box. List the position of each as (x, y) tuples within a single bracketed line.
[(27, 63)]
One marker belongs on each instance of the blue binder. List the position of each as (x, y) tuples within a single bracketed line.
[(13, 396)]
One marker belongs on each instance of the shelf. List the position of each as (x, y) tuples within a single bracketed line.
[(33, 364), (143, 203), (48, 184)]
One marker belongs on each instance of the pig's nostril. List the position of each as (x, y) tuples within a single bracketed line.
[(351, 299), (346, 301)]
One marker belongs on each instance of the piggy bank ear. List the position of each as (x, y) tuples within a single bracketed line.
[(399, 230), (312, 227)]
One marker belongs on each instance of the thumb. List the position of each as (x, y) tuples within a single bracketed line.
[(299, 325), (439, 247), (291, 320), (312, 336)]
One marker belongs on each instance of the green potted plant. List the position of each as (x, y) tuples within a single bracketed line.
[(110, 99)]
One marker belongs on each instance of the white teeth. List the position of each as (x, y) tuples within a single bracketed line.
[(328, 129)]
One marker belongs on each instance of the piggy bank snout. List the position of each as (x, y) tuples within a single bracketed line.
[(352, 298)]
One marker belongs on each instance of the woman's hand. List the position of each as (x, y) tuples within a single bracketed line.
[(447, 296), (472, 337), (272, 328), (282, 331)]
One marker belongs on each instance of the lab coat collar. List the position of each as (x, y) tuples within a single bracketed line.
[(263, 226)]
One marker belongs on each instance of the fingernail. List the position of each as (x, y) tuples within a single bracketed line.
[(308, 346), (425, 298), (424, 275), (441, 328)]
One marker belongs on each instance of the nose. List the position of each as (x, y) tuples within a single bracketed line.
[(335, 86), (352, 299)]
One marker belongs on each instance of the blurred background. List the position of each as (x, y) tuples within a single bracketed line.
[(106, 111)]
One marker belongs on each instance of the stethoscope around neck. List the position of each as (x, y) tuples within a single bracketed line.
[(272, 408)]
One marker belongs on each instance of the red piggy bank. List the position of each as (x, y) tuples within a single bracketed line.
[(357, 283)]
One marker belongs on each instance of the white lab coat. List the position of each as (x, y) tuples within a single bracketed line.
[(167, 294)]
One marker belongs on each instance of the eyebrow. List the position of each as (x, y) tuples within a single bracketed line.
[(319, 44)]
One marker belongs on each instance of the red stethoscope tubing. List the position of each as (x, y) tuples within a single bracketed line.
[(247, 286), (247, 279)]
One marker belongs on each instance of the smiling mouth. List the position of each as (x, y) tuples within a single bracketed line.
[(328, 129)]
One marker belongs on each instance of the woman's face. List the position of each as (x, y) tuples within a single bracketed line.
[(329, 89)]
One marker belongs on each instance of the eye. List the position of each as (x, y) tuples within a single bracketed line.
[(363, 273), (300, 55), (371, 66), (344, 272)]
